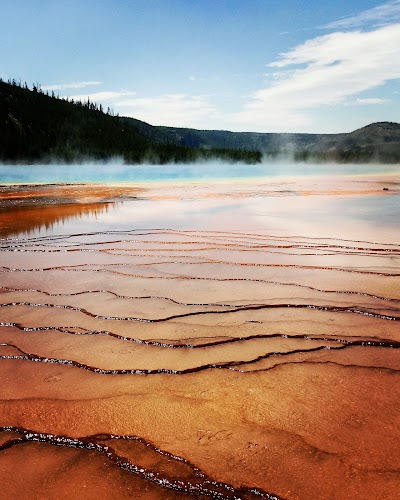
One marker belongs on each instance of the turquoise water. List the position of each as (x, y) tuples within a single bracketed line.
[(118, 172)]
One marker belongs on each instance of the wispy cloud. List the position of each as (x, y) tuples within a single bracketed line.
[(382, 14), (370, 100), (324, 71), (178, 110), (194, 78), (106, 97), (71, 85)]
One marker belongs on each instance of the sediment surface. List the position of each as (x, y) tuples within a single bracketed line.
[(172, 363)]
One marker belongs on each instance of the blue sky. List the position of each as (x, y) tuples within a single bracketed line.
[(249, 65)]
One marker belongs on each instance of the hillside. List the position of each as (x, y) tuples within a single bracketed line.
[(37, 127)]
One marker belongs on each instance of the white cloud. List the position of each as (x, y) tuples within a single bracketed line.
[(371, 100), (324, 71), (72, 85), (177, 110), (382, 14), (110, 97), (194, 78)]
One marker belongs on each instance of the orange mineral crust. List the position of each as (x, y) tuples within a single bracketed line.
[(188, 362)]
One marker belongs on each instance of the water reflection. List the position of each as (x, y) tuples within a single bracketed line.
[(36, 219), (314, 216), (319, 207)]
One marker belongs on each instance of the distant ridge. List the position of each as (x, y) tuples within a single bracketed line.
[(380, 131), (378, 142)]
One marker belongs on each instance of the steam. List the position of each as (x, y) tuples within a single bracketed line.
[(116, 171)]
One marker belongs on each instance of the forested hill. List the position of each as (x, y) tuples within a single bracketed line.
[(37, 127)]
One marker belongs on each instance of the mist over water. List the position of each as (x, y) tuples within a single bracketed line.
[(120, 172)]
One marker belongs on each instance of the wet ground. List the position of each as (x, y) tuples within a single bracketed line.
[(224, 341)]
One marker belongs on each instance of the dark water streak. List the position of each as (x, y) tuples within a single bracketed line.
[(204, 487), (252, 307), (224, 365)]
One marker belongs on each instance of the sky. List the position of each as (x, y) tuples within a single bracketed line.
[(313, 66)]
